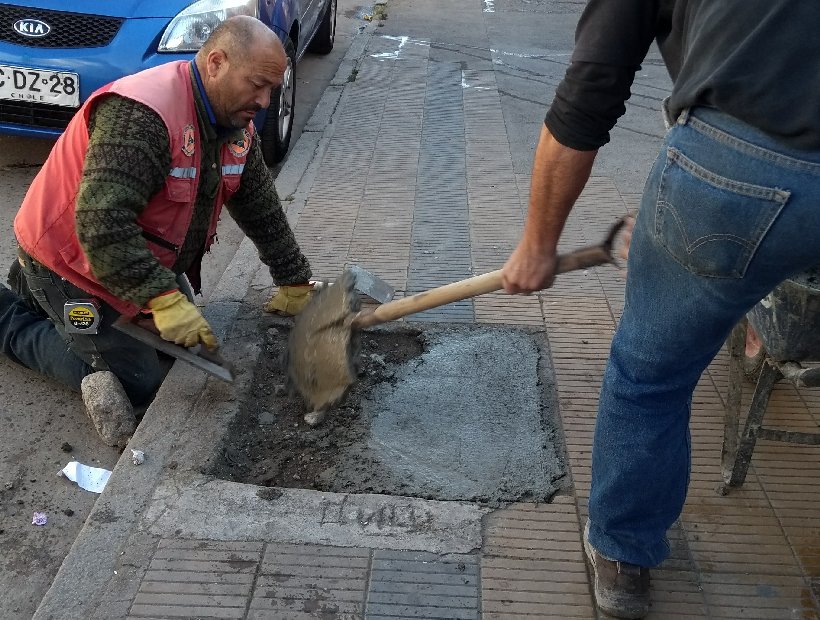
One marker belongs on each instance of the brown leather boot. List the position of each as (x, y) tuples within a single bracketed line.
[(621, 589)]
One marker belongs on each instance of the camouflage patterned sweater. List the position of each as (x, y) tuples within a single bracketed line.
[(127, 161)]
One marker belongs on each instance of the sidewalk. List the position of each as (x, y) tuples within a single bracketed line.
[(414, 180)]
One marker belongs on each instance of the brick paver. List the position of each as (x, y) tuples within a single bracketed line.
[(532, 563), (423, 585), (309, 581)]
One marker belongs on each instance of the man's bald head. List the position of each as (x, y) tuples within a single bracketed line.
[(240, 63), (238, 36)]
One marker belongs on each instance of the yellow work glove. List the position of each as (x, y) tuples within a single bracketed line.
[(289, 300), (179, 321)]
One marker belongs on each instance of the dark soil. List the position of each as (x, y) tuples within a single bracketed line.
[(269, 443)]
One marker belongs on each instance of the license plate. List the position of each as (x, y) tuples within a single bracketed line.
[(40, 86)]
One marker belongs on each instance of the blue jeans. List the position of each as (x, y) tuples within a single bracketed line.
[(727, 214), (32, 334)]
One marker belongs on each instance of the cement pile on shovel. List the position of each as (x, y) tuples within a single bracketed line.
[(322, 348)]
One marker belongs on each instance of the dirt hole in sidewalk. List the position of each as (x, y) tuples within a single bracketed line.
[(439, 411)]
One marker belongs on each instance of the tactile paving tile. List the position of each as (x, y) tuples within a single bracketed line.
[(193, 578), (407, 584), (310, 581), (440, 243)]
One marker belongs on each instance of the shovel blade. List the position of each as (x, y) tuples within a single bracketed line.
[(367, 283)]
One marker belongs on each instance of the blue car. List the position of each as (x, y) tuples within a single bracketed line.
[(54, 54)]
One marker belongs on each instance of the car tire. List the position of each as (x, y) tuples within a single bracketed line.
[(278, 126), (322, 43)]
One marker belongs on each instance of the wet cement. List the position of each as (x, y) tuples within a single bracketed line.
[(449, 412), (469, 419)]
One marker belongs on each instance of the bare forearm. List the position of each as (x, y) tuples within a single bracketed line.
[(559, 174)]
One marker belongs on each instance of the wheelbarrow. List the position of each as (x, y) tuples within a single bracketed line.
[(779, 339)]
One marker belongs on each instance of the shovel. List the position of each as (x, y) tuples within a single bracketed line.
[(321, 351)]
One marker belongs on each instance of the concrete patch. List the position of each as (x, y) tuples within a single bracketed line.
[(457, 412), (470, 419)]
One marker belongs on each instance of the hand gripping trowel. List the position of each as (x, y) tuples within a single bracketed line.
[(82, 316)]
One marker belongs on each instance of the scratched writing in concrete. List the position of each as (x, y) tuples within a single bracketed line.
[(368, 515)]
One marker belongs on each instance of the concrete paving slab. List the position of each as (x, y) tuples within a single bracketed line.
[(184, 507)]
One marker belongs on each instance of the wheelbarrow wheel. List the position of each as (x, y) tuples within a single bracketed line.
[(754, 355)]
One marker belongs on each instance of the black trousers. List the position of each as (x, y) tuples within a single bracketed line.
[(32, 334)]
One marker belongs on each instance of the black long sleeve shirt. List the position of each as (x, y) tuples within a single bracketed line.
[(756, 60)]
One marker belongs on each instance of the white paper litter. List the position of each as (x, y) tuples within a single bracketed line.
[(89, 478)]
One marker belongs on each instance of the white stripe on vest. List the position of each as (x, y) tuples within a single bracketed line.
[(235, 169), (183, 173)]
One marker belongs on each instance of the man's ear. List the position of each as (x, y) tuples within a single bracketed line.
[(215, 62)]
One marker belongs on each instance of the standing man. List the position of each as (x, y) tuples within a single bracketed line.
[(730, 209), (127, 204)]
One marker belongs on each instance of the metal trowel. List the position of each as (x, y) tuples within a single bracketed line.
[(207, 360)]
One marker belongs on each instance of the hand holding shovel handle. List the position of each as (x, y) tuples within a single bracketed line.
[(591, 256)]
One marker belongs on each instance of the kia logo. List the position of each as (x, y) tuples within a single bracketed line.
[(33, 28)]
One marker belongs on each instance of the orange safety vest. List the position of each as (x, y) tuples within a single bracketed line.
[(45, 226)]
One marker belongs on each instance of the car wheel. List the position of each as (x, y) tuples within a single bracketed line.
[(279, 120), (326, 35)]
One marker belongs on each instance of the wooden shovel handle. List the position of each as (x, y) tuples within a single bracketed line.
[(478, 285), (447, 294)]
